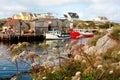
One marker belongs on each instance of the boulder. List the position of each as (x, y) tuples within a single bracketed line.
[(102, 45)]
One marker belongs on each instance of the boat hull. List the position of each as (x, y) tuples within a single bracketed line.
[(74, 35), (78, 34), (88, 35), (56, 37)]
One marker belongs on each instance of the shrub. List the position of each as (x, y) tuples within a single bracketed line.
[(116, 33), (66, 71)]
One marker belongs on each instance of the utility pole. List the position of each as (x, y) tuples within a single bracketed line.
[(20, 27)]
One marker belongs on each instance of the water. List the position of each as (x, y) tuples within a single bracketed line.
[(7, 69)]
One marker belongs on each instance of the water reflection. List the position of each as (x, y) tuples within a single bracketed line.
[(7, 69), (80, 41)]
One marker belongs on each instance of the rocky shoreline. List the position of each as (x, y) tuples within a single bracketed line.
[(101, 61)]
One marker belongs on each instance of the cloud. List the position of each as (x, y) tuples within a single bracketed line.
[(85, 8), (56, 2), (101, 9), (15, 8), (1, 13), (9, 10), (110, 10), (45, 2)]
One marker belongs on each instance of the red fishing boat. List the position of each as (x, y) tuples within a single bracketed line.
[(74, 35), (77, 33)]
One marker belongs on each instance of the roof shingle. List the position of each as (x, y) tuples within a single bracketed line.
[(12, 22)]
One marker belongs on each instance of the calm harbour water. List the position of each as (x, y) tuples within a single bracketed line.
[(7, 69)]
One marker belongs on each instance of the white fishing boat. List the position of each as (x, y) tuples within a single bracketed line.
[(56, 34), (85, 33)]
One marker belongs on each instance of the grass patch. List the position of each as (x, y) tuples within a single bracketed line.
[(116, 33)]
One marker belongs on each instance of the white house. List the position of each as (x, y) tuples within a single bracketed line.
[(101, 19), (71, 16), (42, 15)]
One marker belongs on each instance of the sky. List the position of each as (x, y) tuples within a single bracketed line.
[(86, 9)]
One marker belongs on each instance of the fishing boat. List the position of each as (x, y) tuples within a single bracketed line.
[(56, 34), (74, 35), (77, 33)]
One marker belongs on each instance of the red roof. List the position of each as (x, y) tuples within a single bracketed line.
[(12, 22)]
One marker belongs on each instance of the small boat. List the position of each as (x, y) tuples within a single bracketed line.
[(56, 34), (74, 35), (77, 33)]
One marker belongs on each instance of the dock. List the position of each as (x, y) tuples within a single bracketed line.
[(21, 38)]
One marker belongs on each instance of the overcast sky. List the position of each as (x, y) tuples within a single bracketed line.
[(87, 9)]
